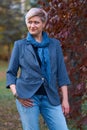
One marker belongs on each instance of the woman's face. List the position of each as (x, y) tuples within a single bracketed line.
[(35, 25)]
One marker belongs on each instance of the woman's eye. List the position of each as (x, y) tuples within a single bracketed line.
[(33, 22), (29, 22), (36, 22)]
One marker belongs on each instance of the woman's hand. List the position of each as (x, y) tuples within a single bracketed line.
[(26, 102), (65, 107), (65, 103)]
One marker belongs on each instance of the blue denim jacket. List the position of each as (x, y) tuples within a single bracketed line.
[(30, 78)]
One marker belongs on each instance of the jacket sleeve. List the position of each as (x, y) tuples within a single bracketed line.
[(13, 67), (62, 75)]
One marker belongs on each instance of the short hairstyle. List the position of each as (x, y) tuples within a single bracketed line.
[(36, 12)]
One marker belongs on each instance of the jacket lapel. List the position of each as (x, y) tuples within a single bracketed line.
[(30, 57), (30, 48)]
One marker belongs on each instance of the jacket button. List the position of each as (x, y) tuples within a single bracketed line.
[(42, 79)]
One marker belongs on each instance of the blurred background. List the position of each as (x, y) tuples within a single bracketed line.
[(67, 21)]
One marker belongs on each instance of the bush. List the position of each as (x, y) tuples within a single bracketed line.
[(67, 21)]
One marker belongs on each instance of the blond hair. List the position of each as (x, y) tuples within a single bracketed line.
[(36, 12)]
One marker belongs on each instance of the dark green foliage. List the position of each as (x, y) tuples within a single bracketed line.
[(12, 25), (11, 21)]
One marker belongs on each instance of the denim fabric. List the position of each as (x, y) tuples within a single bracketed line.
[(52, 115), (31, 78)]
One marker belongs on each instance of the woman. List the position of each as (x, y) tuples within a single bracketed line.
[(43, 71)]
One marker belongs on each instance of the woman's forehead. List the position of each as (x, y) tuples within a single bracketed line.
[(34, 18)]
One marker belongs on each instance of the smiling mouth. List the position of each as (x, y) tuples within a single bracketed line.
[(33, 30)]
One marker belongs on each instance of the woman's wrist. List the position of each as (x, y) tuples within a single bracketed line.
[(16, 95), (64, 93), (13, 88)]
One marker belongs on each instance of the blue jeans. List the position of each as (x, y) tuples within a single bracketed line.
[(52, 115)]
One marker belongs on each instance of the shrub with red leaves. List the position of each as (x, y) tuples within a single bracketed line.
[(67, 21)]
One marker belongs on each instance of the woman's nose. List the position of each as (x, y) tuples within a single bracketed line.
[(32, 25)]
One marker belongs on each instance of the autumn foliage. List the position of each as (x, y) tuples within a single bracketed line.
[(67, 21)]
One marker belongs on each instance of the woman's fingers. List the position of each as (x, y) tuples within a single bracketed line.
[(65, 107), (26, 102)]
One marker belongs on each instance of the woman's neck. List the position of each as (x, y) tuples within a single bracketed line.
[(38, 37)]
